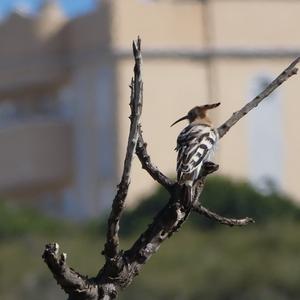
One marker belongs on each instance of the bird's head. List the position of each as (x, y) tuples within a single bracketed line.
[(198, 114)]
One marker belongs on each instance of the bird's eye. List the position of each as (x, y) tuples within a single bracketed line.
[(192, 115)]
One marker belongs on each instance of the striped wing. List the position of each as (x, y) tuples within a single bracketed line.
[(195, 144)]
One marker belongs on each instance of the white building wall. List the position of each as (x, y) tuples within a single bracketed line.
[(265, 137), (94, 142)]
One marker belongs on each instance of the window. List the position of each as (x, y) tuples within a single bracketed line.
[(265, 138)]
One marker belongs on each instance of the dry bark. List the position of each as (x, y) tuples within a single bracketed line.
[(120, 266)]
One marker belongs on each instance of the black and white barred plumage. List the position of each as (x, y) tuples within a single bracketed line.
[(195, 145)]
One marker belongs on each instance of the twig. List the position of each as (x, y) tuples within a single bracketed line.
[(153, 171), (71, 282), (222, 220), (112, 236), (286, 74)]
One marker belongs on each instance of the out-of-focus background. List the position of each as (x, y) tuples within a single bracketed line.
[(65, 67)]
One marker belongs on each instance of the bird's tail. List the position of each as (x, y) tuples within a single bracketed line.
[(187, 194)]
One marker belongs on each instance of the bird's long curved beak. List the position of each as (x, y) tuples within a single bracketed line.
[(211, 106), (181, 119)]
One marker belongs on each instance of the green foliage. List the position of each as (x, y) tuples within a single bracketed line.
[(224, 196), (247, 263), (238, 263), (260, 261), (240, 199), (20, 221)]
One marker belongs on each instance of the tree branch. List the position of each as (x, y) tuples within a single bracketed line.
[(222, 220), (121, 267), (286, 74), (167, 221), (71, 282), (136, 101), (153, 171)]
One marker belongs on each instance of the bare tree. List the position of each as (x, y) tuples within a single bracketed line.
[(121, 266)]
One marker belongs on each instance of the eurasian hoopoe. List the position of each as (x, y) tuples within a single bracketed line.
[(195, 145)]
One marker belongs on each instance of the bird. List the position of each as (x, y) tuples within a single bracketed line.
[(196, 144)]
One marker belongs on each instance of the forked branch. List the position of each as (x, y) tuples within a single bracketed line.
[(136, 101), (121, 267)]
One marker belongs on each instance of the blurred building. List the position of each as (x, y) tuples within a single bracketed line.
[(64, 95)]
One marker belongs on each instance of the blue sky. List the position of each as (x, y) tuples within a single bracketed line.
[(71, 7)]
